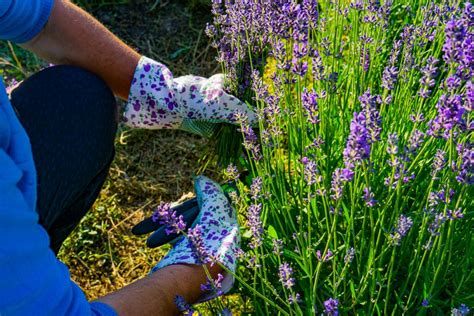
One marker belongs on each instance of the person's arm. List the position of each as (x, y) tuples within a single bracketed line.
[(72, 36), (155, 294)]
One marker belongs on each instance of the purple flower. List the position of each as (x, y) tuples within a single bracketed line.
[(328, 256), (465, 167), (369, 197), (392, 147), (369, 105), (310, 104), (469, 104), (462, 310), (251, 140), (450, 115), (427, 81), (454, 214), (357, 147), (232, 172), (311, 173), (299, 67), (260, 88), (310, 12), (365, 59), (339, 178), (197, 244), (389, 77), (213, 285), (364, 130), (285, 273), (277, 246), (253, 263), (225, 312), (349, 255), (318, 68), (436, 224), (414, 142), (294, 298), (439, 162), (183, 306), (455, 34), (256, 188), (331, 307), (403, 226), (425, 303), (255, 224), (164, 215)]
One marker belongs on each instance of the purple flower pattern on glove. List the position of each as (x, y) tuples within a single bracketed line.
[(159, 101), (214, 236)]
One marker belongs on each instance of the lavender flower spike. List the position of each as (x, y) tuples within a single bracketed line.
[(331, 307), (285, 274), (357, 147), (165, 216), (403, 226)]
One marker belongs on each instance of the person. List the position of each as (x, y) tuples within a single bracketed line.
[(57, 133)]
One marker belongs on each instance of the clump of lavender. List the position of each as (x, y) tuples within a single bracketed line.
[(345, 105)]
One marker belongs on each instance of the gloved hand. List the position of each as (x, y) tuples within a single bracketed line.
[(213, 237), (189, 210), (190, 103)]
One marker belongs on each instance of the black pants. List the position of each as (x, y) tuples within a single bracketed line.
[(70, 117)]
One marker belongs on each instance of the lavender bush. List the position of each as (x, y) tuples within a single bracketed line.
[(360, 195)]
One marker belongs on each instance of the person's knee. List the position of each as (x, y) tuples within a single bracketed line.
[(85, 86), (77, 104)]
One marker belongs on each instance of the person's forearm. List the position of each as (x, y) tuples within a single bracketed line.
[(73, 37), (155, 294)]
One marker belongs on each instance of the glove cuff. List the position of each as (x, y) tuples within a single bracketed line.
[(226, 284), (152, 101)]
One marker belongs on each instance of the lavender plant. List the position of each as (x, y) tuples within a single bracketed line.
[(362, 160)]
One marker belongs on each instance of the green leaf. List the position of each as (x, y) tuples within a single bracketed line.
[(272, 232)]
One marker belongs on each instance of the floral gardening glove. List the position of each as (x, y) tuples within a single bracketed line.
[(213, 237), (190, 103)]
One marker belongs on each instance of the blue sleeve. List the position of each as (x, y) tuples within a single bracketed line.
[(32, 280), (21, 20)]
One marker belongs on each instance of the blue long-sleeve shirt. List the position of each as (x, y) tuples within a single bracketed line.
[(32, 280)]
